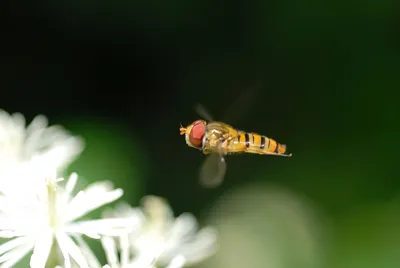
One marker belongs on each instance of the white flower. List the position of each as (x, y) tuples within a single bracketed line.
[(111, 250), (34, 149), (119, 259), (49, 213), (162, 239)]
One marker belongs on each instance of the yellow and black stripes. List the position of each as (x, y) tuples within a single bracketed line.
[(247, 139), (255, 143), (262, 142)]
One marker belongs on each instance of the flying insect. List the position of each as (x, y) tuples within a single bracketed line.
[(217, 139)]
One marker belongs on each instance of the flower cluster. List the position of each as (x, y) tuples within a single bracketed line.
[(42, 214)]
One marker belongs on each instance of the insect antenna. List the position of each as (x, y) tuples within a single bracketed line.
[(182, 129)]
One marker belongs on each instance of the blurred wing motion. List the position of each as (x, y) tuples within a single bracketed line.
[(212, 171), (202, 111), (245, 101)]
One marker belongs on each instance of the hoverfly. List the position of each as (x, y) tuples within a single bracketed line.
[(217, 139)]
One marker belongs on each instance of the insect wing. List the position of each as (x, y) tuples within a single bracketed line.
[(240, 107), (203, 112), (213, 170)]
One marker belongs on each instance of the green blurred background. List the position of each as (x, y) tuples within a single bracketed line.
[(321, 77)]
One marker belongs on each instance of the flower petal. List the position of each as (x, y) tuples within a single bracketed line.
[(91, 199), (201, 247), (110, 250), (184, 227), (106, 227), (87, 252), (64, 250), (11, 244), (177, 262), (16, 254), (70, 185), (42, 249), (69, 248), (125, 253)]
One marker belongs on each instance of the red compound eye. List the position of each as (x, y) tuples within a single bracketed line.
[(197, 133)]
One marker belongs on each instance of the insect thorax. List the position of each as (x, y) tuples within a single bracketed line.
[(214, 140)]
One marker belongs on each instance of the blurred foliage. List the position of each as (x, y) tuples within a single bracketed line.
[(111, 153), (266, 225)]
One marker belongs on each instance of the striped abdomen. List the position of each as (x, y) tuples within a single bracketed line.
[(256, 144)]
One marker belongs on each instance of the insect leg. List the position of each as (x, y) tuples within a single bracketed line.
[(285, 155)]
